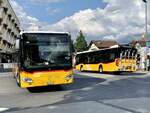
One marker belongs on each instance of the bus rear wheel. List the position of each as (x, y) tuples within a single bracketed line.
[(100, 69), (117, 73)]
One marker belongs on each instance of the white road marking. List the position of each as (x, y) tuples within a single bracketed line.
[(3, 109), (52, 107), (109, 76)]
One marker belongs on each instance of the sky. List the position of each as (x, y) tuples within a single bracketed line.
[(120, 20)]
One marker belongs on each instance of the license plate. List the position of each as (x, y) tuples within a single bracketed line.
[(128, 67)]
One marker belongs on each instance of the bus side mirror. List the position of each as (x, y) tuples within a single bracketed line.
[(17, 45)]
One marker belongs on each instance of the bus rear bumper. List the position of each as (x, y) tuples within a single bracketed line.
[(127, 69)]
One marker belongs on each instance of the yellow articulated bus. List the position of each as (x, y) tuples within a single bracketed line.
[(116, 60), (43, 58)]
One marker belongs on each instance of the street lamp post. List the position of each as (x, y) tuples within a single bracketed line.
[(146, 32), (145, 1)]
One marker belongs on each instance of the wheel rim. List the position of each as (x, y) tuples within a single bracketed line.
[(81, 68), (18, 79), (100, 70)]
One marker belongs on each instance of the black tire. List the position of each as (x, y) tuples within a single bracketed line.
[(100, 69), (18, 80), (117, 73), (81, 68)]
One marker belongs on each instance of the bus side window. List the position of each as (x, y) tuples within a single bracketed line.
[(112, 56), (108, 57), (85, 60), (77, 60), (89, 59), (82, 59), (97, 58), (94, 58)]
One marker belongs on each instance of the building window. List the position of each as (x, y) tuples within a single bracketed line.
[(5, 26), (9, 16), (13, 20), (5, 10), (9, 30)]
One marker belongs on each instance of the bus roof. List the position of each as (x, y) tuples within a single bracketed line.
[(44, 32), (92, 51), (127, 47)]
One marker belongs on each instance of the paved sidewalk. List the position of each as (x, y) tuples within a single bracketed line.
[(5, 74)]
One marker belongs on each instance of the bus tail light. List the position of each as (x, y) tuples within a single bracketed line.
[(117, 62)]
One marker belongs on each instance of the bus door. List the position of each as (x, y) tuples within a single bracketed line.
[(88, 62), (82, 62)]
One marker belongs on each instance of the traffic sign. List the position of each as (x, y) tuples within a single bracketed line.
[(148, 44)]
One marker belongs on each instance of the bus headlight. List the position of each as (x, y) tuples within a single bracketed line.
[(28, 80), (68, 77)]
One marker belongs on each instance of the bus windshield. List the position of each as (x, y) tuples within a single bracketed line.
[(45, 50)]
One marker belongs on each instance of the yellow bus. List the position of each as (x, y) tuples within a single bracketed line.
[(116, 60), (43, 58)]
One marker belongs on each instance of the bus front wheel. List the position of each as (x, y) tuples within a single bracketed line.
[(18, 80), (81, 68), (100, 69)]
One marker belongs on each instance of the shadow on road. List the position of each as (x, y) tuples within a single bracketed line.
[(133, 73), (119, 89), (117, 73), (79, 82), (82, 82), (44, 89)]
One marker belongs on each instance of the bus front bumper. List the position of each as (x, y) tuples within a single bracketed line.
[(46, 78)]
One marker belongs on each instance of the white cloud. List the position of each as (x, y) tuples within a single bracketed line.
[(27, 22), (118, 20)]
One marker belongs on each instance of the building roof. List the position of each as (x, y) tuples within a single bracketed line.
[(103, 43), (141, 42)]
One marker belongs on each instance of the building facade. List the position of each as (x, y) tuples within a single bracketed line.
[(9, 30)]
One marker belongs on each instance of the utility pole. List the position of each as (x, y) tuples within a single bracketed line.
[(146, 32), (145, 1)]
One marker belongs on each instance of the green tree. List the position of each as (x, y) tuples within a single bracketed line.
[(80, 44)]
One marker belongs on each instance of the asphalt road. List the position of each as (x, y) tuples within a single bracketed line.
[(90, 93)]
